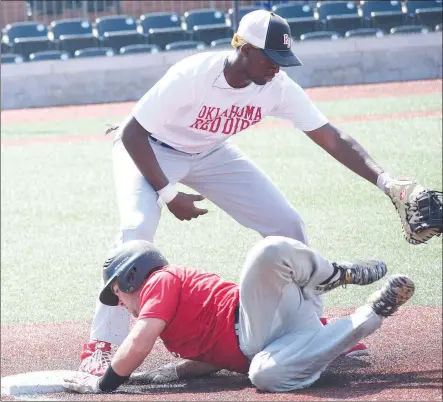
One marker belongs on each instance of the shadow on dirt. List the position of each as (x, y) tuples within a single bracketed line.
[(330, 384)]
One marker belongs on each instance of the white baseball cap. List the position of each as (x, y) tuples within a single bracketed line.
[(271, 33)]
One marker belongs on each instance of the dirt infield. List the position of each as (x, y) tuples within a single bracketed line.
[(263, 125), (316, 94), (404, 364)]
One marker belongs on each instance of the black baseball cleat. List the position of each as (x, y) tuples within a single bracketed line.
[(396, 292), (360, 273)]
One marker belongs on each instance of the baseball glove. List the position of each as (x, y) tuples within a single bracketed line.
[(420, 210)]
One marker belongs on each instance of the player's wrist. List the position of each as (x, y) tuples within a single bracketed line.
[(383, 181), (111, 380), (166, 195)]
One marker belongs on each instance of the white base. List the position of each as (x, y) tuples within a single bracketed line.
[(36, 382)]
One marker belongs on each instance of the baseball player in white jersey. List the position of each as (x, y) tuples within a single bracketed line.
[(177, 133)]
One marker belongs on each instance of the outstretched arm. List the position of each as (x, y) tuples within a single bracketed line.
[(346, 150), (135, 348)]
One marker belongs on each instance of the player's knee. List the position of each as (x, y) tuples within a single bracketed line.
[(263, 373), (292, 226), (143, 229), (268, 251), (267, 375)]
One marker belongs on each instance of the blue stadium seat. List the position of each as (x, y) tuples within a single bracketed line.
[(427, 13), (320, 35), (94, 52), (364, 32), (242, 10), (225, 42), (339, 16), (27, 37), (117, 31), (207, 24), (131, 49), (162, 28), (49, 55), (300, 17), (184, 45), (72, 34), (382, 14), (408, 29), (11, 58), (5, 48)]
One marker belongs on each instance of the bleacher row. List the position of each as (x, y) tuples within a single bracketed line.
[(202, 28)]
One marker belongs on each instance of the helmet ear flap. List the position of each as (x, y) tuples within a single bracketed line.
[(131, 280)]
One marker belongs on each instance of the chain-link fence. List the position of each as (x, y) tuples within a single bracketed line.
[(46, 11)]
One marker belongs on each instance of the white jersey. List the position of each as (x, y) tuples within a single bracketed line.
[(192, 107)]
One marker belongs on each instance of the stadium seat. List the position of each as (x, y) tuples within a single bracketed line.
[(162, 28), (94, 52), (300, 17), (27, 37), (131, 49), (5, 48), (319, 35), (206, 24), (49, 55), (382, 14), (186, 44), (408, 29), (72, 34), (117, 31), (11, 58), (225, 42), (362, 32), (339, 16), (242, 10), (427, 15)]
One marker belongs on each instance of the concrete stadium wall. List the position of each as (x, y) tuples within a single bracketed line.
[(127, 78)]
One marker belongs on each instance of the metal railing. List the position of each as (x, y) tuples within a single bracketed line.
[(46, 11)]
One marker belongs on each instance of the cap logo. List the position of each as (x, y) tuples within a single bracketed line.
[(286, 40)]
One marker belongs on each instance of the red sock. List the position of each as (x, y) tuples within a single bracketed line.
[(324, 320)]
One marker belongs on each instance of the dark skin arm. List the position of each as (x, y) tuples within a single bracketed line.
[(135, 139), (346, 150)]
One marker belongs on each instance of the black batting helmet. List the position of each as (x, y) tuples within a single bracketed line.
[(130, 264)]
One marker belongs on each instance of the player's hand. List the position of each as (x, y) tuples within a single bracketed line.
[(83, 383), (182, 206), (162, 375)]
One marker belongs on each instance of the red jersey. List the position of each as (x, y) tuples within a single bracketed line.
[(199, 311)]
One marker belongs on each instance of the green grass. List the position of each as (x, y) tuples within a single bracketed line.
[(59, 214), (341, 108)]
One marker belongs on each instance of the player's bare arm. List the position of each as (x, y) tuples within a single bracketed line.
[(131, 354), (137, 346), (420, 209), (346, 150), (134, 138)]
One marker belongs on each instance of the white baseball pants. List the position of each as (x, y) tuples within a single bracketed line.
[(279, 330), (224, 176)]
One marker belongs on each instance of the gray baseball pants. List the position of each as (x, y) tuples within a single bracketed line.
[(279, 330), (225, 176)]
